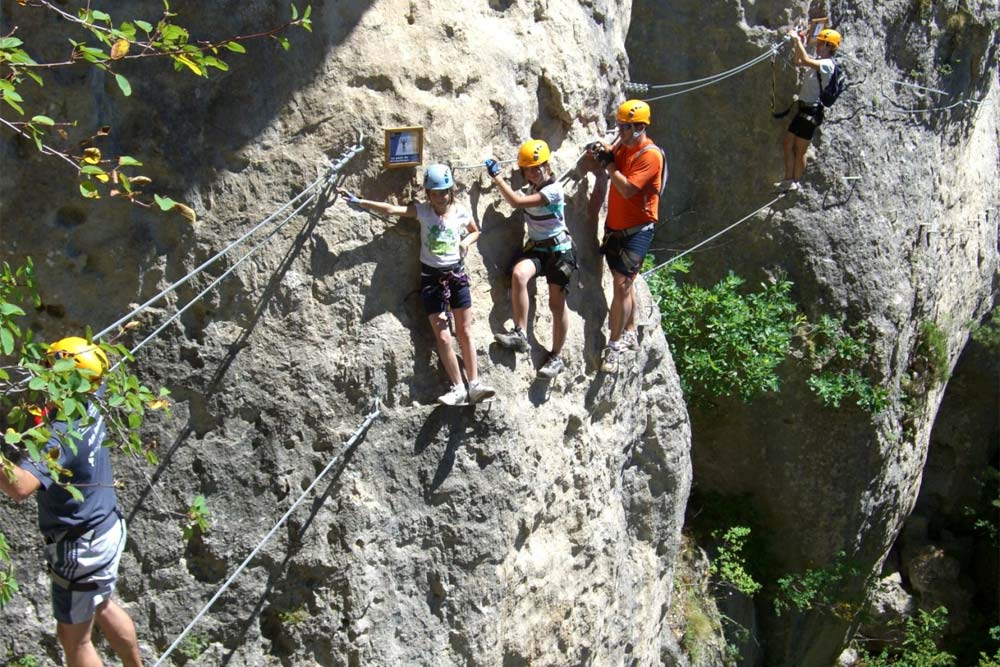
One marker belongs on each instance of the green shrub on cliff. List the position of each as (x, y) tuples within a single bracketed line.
[(730, 341)]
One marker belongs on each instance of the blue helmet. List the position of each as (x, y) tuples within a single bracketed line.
[(438, 177)]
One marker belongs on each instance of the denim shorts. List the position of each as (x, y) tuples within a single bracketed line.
[(625, 254)]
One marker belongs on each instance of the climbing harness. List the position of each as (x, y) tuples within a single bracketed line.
[(321, 182), (372, 415), (712, 237)]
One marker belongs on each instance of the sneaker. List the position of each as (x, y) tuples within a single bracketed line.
[(630, 340), (610, 357), (455, 396), (552, 366), (515, 339), (480, 392)]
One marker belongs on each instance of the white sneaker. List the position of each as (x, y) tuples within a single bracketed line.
[(480, 392), (455, 396), (552, 366), (629, 340)]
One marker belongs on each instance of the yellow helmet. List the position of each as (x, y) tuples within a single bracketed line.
[(533, 153), (831, 37), (633, 111), (88, 356)]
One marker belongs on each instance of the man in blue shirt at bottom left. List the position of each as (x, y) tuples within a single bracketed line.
[(84, 539)]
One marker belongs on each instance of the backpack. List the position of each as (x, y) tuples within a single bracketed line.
[(836, 84), (663, 171)]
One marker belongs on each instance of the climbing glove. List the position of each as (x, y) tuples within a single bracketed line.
[(353, 201), (492, 167)]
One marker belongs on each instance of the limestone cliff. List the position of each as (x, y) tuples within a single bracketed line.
[(535, 530), (896, 227), (544, 528)]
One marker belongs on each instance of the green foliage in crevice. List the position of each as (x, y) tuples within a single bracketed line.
[(727, 340)]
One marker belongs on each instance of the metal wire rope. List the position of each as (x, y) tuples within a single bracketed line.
[(351, 152), (712, 237), (742, 68), (201, 267), (260, 244), (376, 411), (719, 75)]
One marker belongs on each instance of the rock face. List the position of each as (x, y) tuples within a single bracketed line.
[(540, 529), (908, 244)]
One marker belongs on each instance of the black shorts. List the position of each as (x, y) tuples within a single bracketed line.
[(557, 267), (806, 121), (444, 288)]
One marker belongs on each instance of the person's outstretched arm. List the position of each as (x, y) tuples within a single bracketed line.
[(385, 208)]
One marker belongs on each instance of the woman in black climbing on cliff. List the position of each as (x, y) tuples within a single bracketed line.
[(446, 233), (809, 113)]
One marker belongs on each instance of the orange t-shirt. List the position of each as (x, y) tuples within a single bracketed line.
[(644, 173)]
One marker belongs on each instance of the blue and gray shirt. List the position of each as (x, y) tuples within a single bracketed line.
[(90, 465)]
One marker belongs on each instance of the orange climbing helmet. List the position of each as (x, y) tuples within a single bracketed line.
[(533, 153), (87, 356), (633, 111), (831, 37)]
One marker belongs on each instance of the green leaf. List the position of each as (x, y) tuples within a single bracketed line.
[(308, 11), (235, 47), (210, 61), (165, 203), (123, 83), (98, 15), (89, 190), (13, 104), (91, 170), (10, 309), (42, 120), (295, 13), (10, 42), (128, 161), (6, 341), (75, 492), (147, 27), (37, 383), (11, 437)]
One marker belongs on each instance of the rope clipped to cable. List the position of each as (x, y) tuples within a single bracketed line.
[(374, 414)]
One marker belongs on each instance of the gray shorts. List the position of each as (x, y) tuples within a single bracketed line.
[(84, 572)]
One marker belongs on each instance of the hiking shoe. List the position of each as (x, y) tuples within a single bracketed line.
[(611, 356), (480, 392), (515, 339), (629, 340), (455, 396), (552, 366)]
